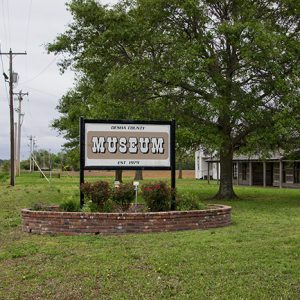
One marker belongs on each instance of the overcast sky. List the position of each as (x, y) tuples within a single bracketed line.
[(27, 25)]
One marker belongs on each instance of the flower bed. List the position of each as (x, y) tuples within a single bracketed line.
[(72, 223)]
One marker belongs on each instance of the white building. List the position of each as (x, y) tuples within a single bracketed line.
[(203, 168)]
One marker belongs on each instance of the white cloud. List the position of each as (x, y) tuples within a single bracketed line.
[(27, 25)]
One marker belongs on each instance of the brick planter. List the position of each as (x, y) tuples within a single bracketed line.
[(70, 223)]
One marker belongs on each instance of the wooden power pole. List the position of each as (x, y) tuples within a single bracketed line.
[(11, 113), (20, 121)]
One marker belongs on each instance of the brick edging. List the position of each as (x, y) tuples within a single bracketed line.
[(72, 223)]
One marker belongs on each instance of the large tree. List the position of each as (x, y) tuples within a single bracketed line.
[(228, 70)]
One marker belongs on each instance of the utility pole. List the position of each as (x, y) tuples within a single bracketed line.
[(20, 121), (50, 163), (33, 156), (31, 145), (30, 157), (15, 146), (11, 113)]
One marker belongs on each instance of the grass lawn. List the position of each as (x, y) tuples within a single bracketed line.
[(258, 257)]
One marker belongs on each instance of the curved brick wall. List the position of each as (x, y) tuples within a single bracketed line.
[(51, 222)]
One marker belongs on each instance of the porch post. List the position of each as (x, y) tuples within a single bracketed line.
[(237, 171), (208, 177), (265, 173), (250, 173), (217, 172), (280, 174)]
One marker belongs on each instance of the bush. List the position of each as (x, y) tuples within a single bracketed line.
[(3, 177), (124, 195), (109, 206), (39, 206), (188, 201), (70, 205), (6, 166), (157, 196), (98, 192), (89, 206)]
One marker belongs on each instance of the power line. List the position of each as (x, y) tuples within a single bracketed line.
[(40, 91), (4, 24), (4, 79), (41, 72), (8, 22), (28, 23), (27, 35)]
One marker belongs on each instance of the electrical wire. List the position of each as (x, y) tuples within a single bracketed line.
[(28, 23), (42, 92), (8, 22), (4, 79), (27, 37), (4, 24), (40, 73)]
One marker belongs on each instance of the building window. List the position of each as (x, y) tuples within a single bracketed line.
[(234, 171), (297, 172), (283, 172), (244, 171)]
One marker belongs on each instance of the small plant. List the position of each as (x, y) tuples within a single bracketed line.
[(157, 196), (124, 195), (70, 205), (3, 177), (188, 201), (89, 206), (39, 206), (98, 192), (109, 206)]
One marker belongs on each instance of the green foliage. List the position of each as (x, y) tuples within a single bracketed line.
[(188, 201), (3, 177), (216, 262), (6, 166), (109, 206), (227, 71), (39, 206), (25, 164), (98, 192), (71, 205), (157, 196), (124, 195), (90, 206)]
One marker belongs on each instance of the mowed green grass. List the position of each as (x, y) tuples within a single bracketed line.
[(257, 257)]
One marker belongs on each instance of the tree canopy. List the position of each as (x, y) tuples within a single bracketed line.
[(227, 70)]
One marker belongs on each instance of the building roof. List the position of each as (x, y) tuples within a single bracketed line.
[(273, 157)]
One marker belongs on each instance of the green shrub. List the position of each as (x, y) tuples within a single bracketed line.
[(157, 196), (124, 195), (39, 206), (188, 201), (70, 205), (3, 177), (90, 206), (6, 166), (98, 192), (109, 206)]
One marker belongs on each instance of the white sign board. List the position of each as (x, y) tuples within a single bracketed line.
[(127, 145)]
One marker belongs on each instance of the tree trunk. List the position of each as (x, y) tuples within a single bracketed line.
[(138, 175), (180, 170), (118, 175), (226, 187)]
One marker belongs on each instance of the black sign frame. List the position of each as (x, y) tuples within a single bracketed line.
[(172, 166)]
